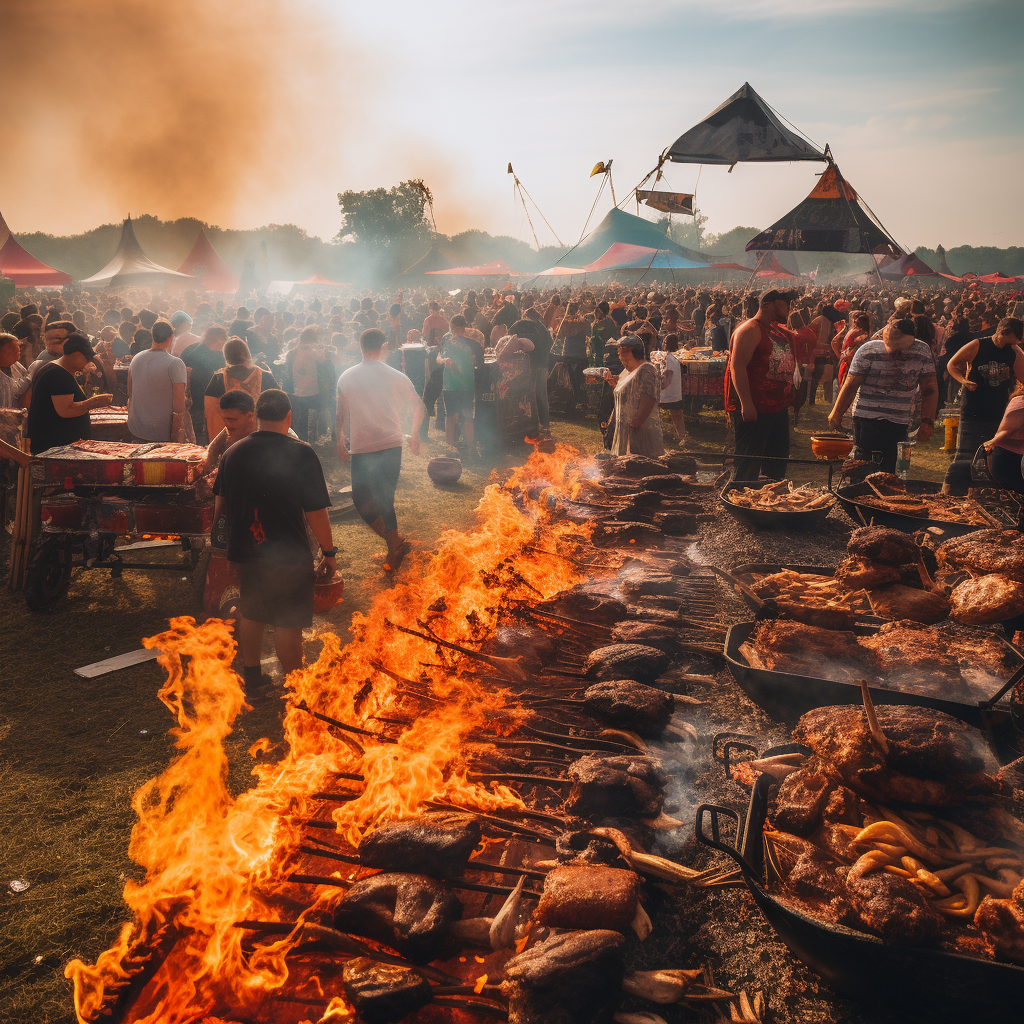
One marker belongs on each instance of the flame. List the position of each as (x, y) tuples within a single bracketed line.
[(212, 859)]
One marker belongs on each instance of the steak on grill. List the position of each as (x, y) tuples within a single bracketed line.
[(985, 551), (900, 602), (589, 896), (627, 661), (630, 705), (794, 647), (586, 602), (649, 634), (882, 544), (435, 844), (987, 599), (650, 581), (615, 534), (411, 914), (572, 978), (383, 993), (859, 573), (633, 466), (618, 785)]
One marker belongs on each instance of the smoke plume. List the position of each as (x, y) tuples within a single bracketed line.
[(223, 110)]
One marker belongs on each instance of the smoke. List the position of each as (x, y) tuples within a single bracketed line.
[(230, 112)]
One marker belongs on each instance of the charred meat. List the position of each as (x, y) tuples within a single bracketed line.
[(383, 993), (630, 705), (643, 582), (801, 800), (882, 544), (794, 647), (636, 467), (620, 785), (411, 914), (859, 573), (588, 895), (900, 602), (914, 657), (1002, 923), (987, 599), (893, 908), (985, 551), (587, 602), (435, 844), (516, 641), (616, 534), (572, 978), (647, 634), (627, 661)]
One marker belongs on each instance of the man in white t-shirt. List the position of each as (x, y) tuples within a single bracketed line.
[(183, 336), (371, 399), (156, 390), (672, 384)]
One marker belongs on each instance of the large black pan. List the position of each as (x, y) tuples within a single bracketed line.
[(786, 696), (766, 517), (925, 984), (863, 514)]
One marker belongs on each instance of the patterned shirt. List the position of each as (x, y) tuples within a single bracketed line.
[(890, 380)]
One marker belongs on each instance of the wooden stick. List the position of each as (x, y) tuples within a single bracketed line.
[(876, 732)]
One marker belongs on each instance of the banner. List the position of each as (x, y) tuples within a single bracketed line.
[(667, 202)]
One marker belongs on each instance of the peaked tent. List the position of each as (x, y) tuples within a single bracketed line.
[(748, 261), (496, 269), (943, 265), (216, 275), (743, 129), (773, 268), (432, 260), (23, 268), (131, 265), (906, 266), (619, 226), (621, 256), (997, 278), (832, 218)]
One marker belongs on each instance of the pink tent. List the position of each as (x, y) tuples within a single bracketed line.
[(23, 268), (217, 276), (775, 269), (997, 278), (320, 279), (496, 269)]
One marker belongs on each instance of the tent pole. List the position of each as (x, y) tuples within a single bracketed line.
[(753, 273)]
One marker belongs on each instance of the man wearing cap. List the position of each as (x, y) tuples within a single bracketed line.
[(763, 355), (59, 413), (183, 336)]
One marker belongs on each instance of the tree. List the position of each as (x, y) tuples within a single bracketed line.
[(383, 218), (683, 231)]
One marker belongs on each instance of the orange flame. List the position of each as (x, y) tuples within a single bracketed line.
[(212, 859)]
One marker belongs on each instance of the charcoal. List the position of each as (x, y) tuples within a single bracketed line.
[(631, 705), (411, 914), (589, 896), (435, 844), (585, 602), (617, 534), (627, 661), (571, 978), (649, 634), (634, 467), (625, 785), (383, 993)]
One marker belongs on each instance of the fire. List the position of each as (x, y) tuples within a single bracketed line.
[(212, 859)]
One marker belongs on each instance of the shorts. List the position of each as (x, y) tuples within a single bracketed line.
[(276, 593), (679, 404), (458, 403)]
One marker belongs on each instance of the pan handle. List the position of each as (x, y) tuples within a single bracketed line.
[(735, 747), (714, 840)]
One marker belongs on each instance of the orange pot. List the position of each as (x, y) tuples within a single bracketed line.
[(834, 447)]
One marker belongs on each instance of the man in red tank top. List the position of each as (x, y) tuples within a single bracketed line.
[(763, 355)]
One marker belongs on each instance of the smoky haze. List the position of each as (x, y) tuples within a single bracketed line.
[(222, 110)]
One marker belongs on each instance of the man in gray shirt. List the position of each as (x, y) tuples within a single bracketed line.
[(156, 390)]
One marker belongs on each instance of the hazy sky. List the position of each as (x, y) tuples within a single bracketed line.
[(919, 99)]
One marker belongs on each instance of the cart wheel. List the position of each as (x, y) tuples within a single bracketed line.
[(202, 565), (48, 575)]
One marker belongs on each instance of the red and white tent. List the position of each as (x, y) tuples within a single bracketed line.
[(497, 269), (22, 267), (217, 276)]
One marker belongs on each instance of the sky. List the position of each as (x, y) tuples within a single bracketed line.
[(250, 113)]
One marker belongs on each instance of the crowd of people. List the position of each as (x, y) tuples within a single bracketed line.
[(258, 383)]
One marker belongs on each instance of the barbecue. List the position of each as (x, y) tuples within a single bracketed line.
[(985, 551), (987, 599), (586, 896), (627, 661), (897, 601), (889, 493), (646, 634), (780, 496), (438, 845), (624, 786), (383, 993), (882, 544), (858, 572), (796, 647), (630, 705)]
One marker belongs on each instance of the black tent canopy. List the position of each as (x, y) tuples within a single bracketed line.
[(743, 128)]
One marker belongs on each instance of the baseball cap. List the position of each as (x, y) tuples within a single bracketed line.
[(79, 343), (180, 317), (776, 296)]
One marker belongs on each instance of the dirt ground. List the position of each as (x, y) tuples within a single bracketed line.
[(73, 751)]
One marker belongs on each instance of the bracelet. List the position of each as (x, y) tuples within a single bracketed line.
[(329, 552)]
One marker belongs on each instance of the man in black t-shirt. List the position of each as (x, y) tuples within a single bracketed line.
[(59, 411), (540, 357), (268, 487)]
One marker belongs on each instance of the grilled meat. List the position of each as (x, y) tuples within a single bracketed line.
[(985, 551), (882, 544), (587, 602), (886, 481), (648, 634), (794, 647), (630, 705), (666, 483), (640, 582), (634, 467), (823, 616), (900, 602), (1002, 923), (588, 895), (411, 914), (679, 463), (518, 641), (860, 573), (383, 993), (620, 785), (800, 803), (987, 599), (893, 908), (627, 661), (913, 656), (435, 844), (616, 534), (572, 978)]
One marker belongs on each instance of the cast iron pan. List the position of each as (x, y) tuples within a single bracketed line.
[(765, 517), (925, 984)]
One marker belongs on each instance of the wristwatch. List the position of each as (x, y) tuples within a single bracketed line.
[(329, 552)]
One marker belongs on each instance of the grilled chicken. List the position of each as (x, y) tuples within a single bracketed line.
[(435, 844), (987, 599), (882, 544), (627, 661), (411, 914), (617, 785), (630, 705), (589, 895), (985, 551), (383, 993), (572, 978)]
